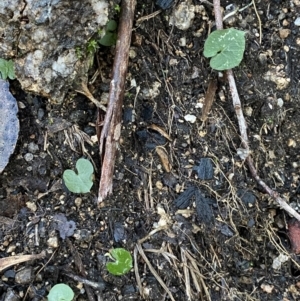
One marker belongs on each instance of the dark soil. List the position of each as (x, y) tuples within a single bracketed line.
[(210, 231)]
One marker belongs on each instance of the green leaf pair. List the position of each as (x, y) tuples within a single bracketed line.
[(226, 48), (110, 37)]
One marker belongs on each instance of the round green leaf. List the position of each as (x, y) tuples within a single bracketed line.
[(109, 39), (122, 264), (81, 182), (61, 292), (111, 25), (226, 48)]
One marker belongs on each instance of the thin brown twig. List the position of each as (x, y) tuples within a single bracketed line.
[(110, 135), (243, 129), (259, 21)]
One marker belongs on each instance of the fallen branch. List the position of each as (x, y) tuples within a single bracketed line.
[(111, 130), (245, 152)]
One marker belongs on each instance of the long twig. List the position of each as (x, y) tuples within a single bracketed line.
[(110, 134), (243, 129)]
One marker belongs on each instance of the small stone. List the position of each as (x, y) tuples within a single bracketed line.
[(284, 33), (263, 58), (132, 53), (190, 118), (11, 296), (182, 42), (248, 111), (183, 16), (297, 21), (279, 260), (291, 143), (32, 206), (52, 242), (286, 48), (24, 276), (28, 157), (32, 147), (285, 22), (159, 185), (78, 202), (11, 248)]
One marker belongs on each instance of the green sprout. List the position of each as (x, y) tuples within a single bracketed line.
[(61, 292), (122, 261), (82, 181), (78, 52), (92, 46), (225, 48), (117, 8), (7, 69)]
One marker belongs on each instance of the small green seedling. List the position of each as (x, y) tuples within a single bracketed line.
[(117, 8), (110, 37), (7, 69), (81, 182), (226, 48), (92, 46), (122, 262), (61, 292)]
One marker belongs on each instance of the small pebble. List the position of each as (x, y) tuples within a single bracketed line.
[(28, 157), (11, 248), (78, 202), (190, 118), (32, 147), (297, 21), (11, 296), (52, 242), (32, 206), (24, 276)]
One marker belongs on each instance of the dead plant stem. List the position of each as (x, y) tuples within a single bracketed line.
[(111, 131)]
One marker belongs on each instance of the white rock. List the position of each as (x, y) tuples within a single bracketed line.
[(190, 118), (279, 260), (52, 242), (297, 21), (183, 16)]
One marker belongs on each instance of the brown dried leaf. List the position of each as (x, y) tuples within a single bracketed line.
[(159, 130), (209, 98), (163, 155), (12, 260)]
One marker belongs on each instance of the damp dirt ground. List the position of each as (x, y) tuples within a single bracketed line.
[(184, 203)]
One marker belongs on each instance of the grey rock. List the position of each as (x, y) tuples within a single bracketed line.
[(11, 296), (24, 276), (9, 123), (42, 36)]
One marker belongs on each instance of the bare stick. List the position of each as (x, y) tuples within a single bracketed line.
[(218, 14), (110, 134), (243, 129)]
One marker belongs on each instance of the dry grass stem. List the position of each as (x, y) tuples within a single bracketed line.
[(151, 268)]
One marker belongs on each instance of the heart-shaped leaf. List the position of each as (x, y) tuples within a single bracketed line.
[(226, 47), (81, 182), (122, 264), (61, 292)]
